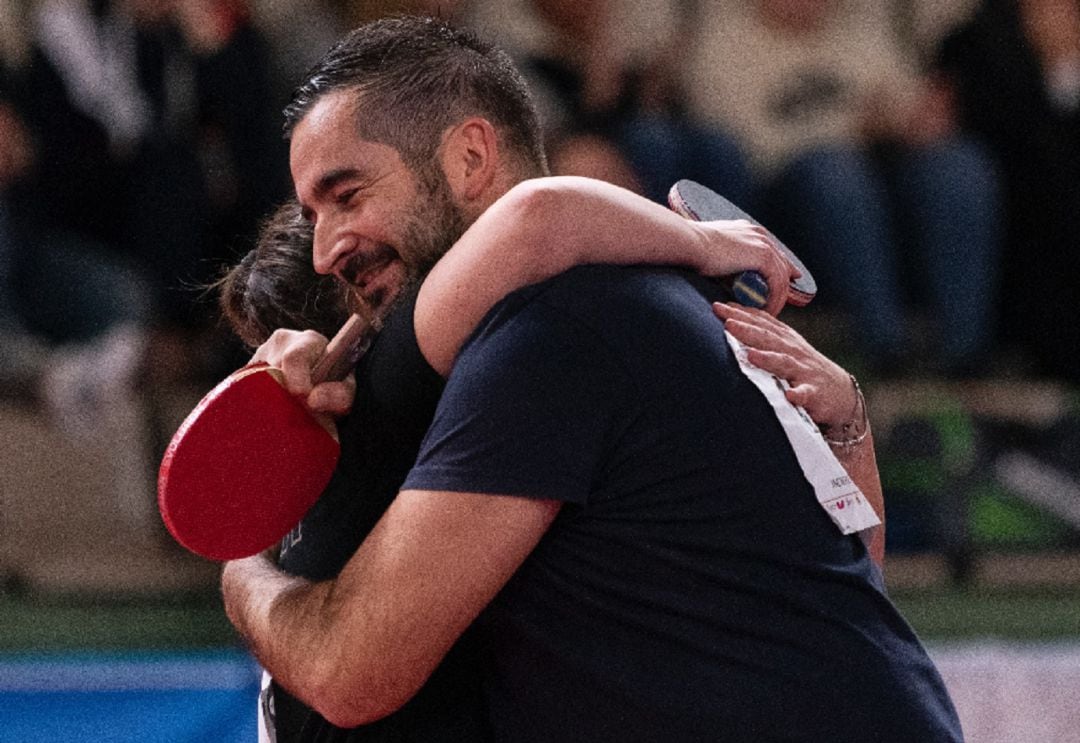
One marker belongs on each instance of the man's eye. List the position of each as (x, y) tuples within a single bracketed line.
[(344, 197)]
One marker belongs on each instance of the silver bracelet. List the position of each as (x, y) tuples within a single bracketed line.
[(847, 439)]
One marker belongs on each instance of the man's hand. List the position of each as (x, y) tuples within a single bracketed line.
[(244, 606), (295, 353)]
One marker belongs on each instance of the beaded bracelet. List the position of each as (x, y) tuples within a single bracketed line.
[(848, 441)]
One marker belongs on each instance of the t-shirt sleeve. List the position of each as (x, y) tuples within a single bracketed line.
[(532, 405)]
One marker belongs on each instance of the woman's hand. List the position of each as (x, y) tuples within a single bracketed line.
[(818, 384), (823, 389), (738, 245), (295, 353)]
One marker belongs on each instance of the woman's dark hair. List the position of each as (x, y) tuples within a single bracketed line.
[(275, 286)]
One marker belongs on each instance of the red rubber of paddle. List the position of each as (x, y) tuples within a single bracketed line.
[(249, 461), (238, 481)]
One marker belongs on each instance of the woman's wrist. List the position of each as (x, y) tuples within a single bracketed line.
[(853, 430)]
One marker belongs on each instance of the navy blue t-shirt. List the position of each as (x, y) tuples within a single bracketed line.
[(691, 587), (396, 395)]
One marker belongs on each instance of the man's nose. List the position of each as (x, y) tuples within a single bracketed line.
[(327, 247)]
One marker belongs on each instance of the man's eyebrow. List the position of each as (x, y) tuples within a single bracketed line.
[(332, 178)]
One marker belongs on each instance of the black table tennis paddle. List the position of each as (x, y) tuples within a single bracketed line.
[(694, 201)]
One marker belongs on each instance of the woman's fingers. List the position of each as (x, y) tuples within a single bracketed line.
[(333, 398), (295, 353), (817, 383), (779, 280), (755, 317), (757, 328)]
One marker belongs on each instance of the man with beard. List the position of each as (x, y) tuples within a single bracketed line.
[(603, 497), (274, 286)]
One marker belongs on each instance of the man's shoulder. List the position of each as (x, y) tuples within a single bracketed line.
[(596, 291), (599, 316)]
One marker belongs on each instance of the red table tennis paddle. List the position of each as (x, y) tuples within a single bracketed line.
[(701, 204), (249, 461)]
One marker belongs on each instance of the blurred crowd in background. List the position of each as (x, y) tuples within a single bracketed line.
[(917, 172), (923, 158)]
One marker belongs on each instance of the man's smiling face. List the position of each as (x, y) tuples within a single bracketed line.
[(377, 223)]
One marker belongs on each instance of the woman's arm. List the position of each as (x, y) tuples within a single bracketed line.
[(545, 226), (824, 390)]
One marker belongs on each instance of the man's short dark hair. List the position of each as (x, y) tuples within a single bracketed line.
[(416, 77)]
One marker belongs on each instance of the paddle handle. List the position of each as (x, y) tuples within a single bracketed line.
[(346, 348), (749, 287)]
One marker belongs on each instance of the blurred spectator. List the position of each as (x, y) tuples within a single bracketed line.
[(1016, 67), (601, 72), (211, 161), (181, 134), (861, 168), (299, 33), (139, 145), (72, 315)]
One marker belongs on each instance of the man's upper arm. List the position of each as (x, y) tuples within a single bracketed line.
[(430, 566), (519, 431)]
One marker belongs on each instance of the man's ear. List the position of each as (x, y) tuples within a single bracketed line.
[(470, 158)]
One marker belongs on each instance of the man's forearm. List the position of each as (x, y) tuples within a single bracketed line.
[(360, 646), (279, 617)]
